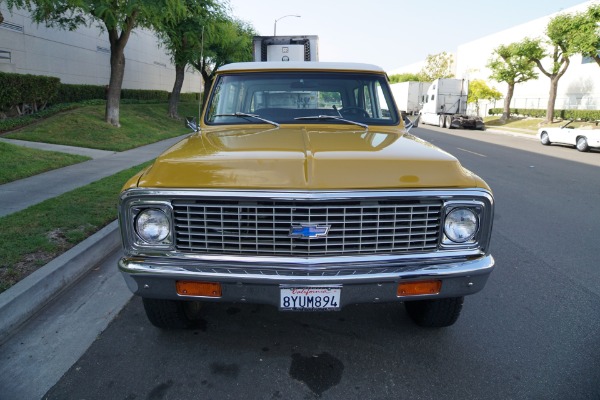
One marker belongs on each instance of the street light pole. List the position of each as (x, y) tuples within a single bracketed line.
[(275, 24)]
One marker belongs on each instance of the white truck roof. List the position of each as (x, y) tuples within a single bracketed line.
[(300, 65)]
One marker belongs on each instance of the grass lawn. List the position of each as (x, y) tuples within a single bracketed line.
[(525, 124), (17, 162), (85, 127), (32, 237)]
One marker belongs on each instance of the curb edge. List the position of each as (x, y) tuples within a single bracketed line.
[(23, 300)]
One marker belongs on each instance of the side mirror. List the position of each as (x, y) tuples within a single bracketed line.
[(408, 124), (191, 123)]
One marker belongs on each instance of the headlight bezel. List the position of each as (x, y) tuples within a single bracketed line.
[(478, 210), (137, 242)]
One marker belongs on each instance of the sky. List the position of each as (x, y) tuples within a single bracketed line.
[(391, 33)]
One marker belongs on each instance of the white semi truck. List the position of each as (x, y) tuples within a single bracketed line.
[(410, 95), (445, 105), (286, 48)]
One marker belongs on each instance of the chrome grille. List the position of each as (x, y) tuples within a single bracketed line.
[(262, 227)]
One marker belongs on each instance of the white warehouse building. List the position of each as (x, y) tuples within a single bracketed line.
[(579, 88), (83, 56)]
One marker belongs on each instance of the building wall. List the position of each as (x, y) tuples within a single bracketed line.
[(83, 56), (579, 88)]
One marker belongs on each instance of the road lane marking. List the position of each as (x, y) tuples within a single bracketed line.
[(472, 152)]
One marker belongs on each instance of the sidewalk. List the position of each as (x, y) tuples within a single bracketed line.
[(27, 297), (18, 195)]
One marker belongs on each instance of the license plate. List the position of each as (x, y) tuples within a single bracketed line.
[(310, 298)]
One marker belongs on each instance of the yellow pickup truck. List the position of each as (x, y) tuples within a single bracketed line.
[(302, 189)]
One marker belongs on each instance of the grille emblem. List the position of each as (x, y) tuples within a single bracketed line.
[(309, 231)]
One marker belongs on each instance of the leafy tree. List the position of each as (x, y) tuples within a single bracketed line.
[(587, 35), (437, 66), (561, 32), (479, 90), (226, 40), (510, 67), (183, 40), (117, 18), (405, 77)]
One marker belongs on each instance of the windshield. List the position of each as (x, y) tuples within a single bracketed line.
[(291, 97)]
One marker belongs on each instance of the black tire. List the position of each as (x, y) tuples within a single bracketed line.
[(436, 313), (442, 123), (449, 122), (582, 144), (544, 138), (172, 314)]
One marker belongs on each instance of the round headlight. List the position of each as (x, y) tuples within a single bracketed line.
[(461, 225), (152, 226)]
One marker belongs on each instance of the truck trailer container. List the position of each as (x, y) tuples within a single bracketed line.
[(286, 48), (410, 95)]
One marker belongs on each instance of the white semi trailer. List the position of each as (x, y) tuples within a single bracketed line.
[(410, 95), (446, 105)]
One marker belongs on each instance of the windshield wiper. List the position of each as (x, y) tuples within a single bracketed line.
[(245, 115), (335, 118)]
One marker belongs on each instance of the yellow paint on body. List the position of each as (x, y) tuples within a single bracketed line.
[(306, 157)]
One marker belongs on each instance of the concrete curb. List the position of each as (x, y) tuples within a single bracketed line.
[(515, 134), (24, 299)]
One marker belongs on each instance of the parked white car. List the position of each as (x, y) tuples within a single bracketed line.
[(582, 138)]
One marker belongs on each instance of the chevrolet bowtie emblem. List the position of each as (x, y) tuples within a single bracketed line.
[(309, 231)]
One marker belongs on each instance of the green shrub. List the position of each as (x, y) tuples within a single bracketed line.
[(189, 97), (21, 91), (17, 89), (9, 93), (69, 93), (580, 115), (140, 94), (73, 93)]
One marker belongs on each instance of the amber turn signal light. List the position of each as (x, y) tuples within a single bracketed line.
[(204, 289), (417, 288)]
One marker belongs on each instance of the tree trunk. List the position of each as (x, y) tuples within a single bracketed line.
[(207, 85), (117, 68), (597, 59), (560, 65), (507, 100), (174, 99), (552, 98), (113, 96)]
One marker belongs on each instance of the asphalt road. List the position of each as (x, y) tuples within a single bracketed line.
[(532, 333)]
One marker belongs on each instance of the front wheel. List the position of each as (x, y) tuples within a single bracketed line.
[(582, 144), (436, 313), (172, 314), (545, 139)]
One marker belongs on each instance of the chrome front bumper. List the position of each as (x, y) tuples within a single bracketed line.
[(361, 283)]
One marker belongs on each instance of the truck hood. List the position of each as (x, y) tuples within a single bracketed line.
[(296, 157)]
